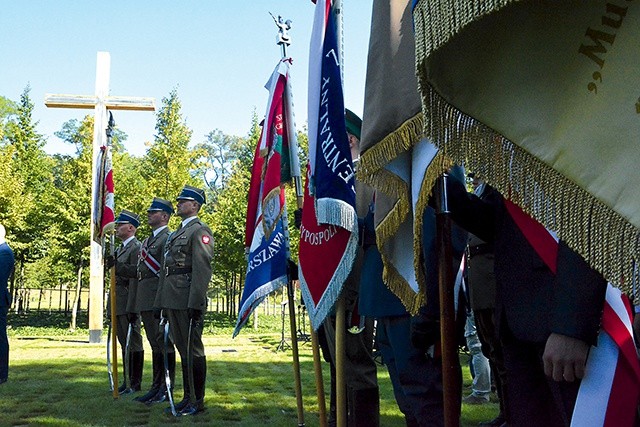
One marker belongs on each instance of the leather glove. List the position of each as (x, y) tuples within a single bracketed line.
[(132, 317), (425, 332), (109, 261), (297, 218), (157, 313), (293, 269), (194, 314)]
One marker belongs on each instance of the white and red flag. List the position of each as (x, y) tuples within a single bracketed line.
[(328, 235), (103, 201), (275, 163)]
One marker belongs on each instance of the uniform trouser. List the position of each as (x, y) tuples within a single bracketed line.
[(492, 349), (135, 341), (360, 370), (533, 399), (135, 348), (179, 334), (418, 376), (155, 334), (4, 344)]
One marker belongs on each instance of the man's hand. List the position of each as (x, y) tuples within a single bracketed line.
[(194, 314), (297, 218), (425, 332), (565, 357), (109, 261)]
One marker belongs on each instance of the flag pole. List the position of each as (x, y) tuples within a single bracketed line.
[(451, 380), (341, 325), (284, 40), (112, 293)]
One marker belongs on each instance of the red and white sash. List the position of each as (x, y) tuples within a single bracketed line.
[(148, 259), (609, 393)]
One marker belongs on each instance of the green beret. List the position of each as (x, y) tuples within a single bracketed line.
[(354, 123)]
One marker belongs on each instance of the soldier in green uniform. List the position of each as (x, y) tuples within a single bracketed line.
[(144, 294), (126, 262), (182, 293)]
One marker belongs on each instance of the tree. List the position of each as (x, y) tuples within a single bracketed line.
[(169, 164), (32, 168)]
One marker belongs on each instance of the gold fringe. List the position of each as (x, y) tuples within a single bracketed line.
[(399, 141), (371, 171), (606, 240)]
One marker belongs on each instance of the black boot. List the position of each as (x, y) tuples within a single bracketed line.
[(185, 386), (162, 395), (199, 380), (136, 365), (364, 407), (125, 387), (157, 364)]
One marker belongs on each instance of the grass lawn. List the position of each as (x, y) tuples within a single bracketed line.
[(56, 378)]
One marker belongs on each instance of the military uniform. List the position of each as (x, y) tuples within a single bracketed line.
[(182, 294), (126, 260), (144, 295)]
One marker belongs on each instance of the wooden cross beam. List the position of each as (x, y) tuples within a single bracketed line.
[(100, 102)]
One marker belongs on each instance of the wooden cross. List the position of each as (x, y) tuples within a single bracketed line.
[(100, 102)]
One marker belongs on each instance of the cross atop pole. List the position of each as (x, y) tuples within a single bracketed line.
[(100, 102)]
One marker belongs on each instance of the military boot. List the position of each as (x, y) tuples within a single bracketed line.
[(186, 395), (162, 395), (136, 365), (158, 378), (199, 380)]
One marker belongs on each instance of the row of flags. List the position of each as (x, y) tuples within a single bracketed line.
[(402, 106), (537, 170)]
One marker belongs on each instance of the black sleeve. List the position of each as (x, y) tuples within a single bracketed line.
[(475, 215), (579, 294)]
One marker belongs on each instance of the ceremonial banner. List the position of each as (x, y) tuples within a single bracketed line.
[(542, 100), (274, 164), (328, 236), (103, 202), (396, 159)]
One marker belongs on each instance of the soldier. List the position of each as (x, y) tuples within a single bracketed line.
[(182, 294), (144, 295), (125, 261)]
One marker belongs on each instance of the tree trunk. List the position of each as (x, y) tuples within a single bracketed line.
[(76, 300)]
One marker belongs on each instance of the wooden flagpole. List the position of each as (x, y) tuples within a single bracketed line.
[(451, 380), (341, 325), (284, 40)]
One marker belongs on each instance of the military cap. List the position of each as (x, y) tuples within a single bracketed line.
[(192, 193), (159, 204), (354, 123), (128, 217)]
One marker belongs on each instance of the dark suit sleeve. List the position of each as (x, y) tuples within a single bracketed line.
[(579, 294), (472, 213)]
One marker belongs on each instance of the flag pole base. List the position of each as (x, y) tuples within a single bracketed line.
[(95, 336)]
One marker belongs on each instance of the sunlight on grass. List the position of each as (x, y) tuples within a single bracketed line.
[(61, 380)]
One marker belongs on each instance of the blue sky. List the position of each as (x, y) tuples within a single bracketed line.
[(218, 54)]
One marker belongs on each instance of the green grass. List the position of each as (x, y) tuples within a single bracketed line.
[(57, 378)]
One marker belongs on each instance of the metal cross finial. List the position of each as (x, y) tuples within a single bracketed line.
[(283, 27)]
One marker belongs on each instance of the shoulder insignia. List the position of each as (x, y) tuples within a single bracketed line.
[(206, 239)]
